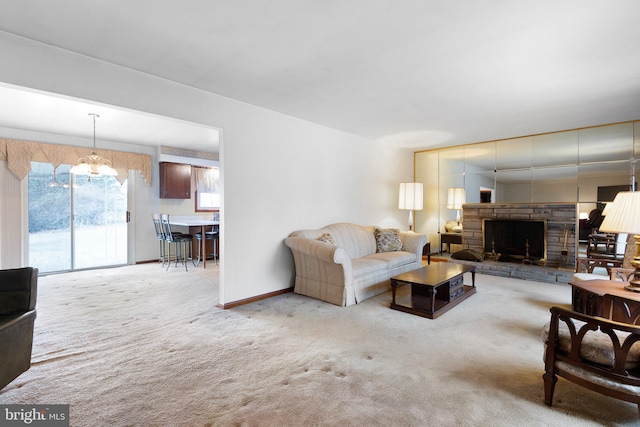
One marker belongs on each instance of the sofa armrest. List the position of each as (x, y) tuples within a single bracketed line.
[(323, 271), (413, 242), (322, 251)]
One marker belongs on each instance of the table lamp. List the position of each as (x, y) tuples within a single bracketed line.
[(623, 216), (411, 199), (456, 197)]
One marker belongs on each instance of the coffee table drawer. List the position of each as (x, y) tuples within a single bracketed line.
[(456, 288)]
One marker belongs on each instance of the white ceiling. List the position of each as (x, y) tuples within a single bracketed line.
[(41, 112), (418, 73)]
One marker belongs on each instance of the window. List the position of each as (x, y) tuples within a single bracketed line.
[(207, 194), (207, 202)]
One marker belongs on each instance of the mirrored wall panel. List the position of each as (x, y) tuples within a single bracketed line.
[(581, 166)]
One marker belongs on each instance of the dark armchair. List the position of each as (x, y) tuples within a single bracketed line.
[(18, 289), (600, 354)]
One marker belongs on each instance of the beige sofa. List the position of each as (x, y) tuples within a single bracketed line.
[(350, 267)]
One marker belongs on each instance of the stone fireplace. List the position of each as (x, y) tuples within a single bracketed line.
[(550, 228)]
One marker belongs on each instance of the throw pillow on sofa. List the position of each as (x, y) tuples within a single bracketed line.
[(387, 239), (327, 238)]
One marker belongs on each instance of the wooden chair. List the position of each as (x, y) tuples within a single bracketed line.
[(587, 265), (617, 269), (603, 245), (593, 352)]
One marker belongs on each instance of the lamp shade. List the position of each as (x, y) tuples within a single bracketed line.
[(411, 196), (456, 197), (623, 215)]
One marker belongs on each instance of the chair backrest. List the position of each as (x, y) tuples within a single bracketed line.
[(166, 227), (158, 225), (622, 274), (18, 290)]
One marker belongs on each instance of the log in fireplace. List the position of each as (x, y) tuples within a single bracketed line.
[(511, 240)]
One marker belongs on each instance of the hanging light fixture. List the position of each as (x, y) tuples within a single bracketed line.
[(93, 164)]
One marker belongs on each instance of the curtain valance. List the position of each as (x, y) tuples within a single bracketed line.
[(20, 154)]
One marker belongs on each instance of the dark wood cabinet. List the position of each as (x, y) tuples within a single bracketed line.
[(175, 181)]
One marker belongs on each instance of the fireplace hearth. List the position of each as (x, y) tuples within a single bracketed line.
[(519, 241)]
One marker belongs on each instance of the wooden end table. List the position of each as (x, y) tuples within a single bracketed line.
[(450, 239), (435, 289), (591, 296)]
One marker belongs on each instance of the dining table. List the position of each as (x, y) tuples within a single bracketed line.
[(195, 221)]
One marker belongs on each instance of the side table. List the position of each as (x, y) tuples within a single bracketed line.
[(594, 297), (449, 239)]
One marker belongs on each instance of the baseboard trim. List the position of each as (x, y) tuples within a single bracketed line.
[(253, 299)]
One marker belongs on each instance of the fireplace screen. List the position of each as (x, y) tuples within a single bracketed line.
[(522, 241)]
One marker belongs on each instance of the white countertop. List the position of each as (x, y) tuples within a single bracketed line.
[(192, 220)]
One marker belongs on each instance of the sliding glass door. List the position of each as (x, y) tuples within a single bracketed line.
[(49, 218), (75, 222)]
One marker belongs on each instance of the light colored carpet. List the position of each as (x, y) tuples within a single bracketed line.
[(138, 346)]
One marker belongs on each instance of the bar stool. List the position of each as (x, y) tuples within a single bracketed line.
[(180, 241), (208, 235), (160, 234)]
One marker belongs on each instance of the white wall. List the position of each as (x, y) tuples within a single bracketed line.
[(278, 173)]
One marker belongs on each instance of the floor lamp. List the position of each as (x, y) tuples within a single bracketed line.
[(623, 216), (411, 199)]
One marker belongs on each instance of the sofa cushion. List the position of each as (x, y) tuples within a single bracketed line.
[(387, 239), (327, 238), (596, 346), (598, 379), (394, 259), (366, 266)]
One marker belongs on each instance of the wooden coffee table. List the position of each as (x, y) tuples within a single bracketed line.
[(435, 289)]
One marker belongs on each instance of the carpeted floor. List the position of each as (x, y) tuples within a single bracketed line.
[(138, 346)]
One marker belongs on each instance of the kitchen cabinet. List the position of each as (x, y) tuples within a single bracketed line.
[(175, 181)]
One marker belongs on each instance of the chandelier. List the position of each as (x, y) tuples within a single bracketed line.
[(93, 164)]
